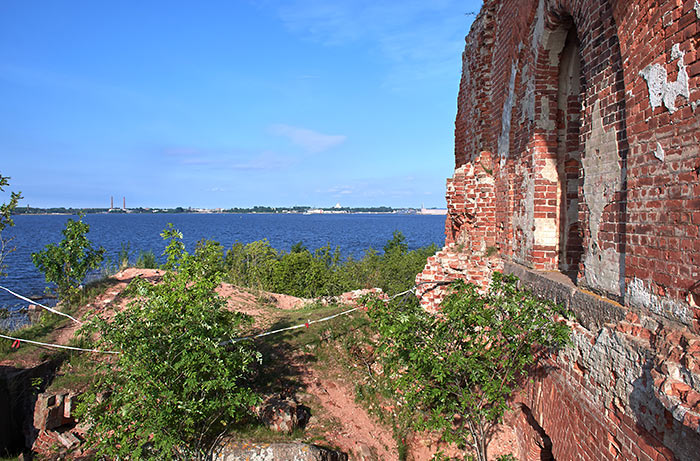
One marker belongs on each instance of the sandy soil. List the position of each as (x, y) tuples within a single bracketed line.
[(357, 433), (364, 438)]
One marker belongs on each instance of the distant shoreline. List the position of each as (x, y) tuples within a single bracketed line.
[(259, 210)]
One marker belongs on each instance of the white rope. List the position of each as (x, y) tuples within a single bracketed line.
[(302, 325), (41, 305), (230, 341), (307, 323), (60, 346)]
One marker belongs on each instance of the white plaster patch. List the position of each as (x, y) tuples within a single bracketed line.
[(660, 153), (538, 29), (602, 171), (601, 180), (549, 170), (638, 295), (554, 41), (697, 8), (603, 270), (676, 52), (661, 91), (524, 217), (546, 232), (506, 117), (528, 103)]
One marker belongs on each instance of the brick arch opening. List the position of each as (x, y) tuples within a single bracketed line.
[(558, 210)]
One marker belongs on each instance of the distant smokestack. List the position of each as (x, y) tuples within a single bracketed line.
[(111, 202), (124, 203)]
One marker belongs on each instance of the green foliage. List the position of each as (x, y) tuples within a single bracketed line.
[(397, 244), (120, 263), (251, 265), (458, 369), (124, 255), (67, 263), (146, 260), (507, 457), (174, 387), (301, 273), (6, 210), (399, 267), (323, 272)]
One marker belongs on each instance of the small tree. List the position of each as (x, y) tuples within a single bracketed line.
[(175, 385), (67, 263), (396, 244), (458, 368), (6, 210)]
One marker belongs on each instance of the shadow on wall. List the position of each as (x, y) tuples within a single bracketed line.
[(657, 426), (542, 444)]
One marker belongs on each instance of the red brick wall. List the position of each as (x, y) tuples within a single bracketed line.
[(577, 149)]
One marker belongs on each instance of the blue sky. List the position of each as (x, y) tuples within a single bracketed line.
[(230, 103)]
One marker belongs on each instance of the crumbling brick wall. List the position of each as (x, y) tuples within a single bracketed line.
[(577, 155)]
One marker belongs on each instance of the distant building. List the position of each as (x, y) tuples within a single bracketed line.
[(433, 211)]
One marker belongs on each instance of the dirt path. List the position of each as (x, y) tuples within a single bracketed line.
[(358, 433)]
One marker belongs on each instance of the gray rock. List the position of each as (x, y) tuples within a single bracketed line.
[(282, 415)]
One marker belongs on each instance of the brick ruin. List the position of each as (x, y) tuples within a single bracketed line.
[(577, 154)]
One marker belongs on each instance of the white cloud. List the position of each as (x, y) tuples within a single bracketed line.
[(311, 141)]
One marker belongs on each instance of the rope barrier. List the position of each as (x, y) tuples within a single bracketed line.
[(59, 346), (41, 305), (231, 341), (308, 322), (295, 327)]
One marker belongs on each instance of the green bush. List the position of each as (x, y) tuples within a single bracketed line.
[(6, 210), (174, 387), (455, 371), (67, 263), (251, 265), (303, 274), (323, 272), (146, 260)]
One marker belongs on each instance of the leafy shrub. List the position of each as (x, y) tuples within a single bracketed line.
[(67, 263), (174, 387), (457, 369), (6, 210), (251, 265), (323, 272), (124, 255), (146, 260), (301, 273), (399, 267), (210, 254)]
